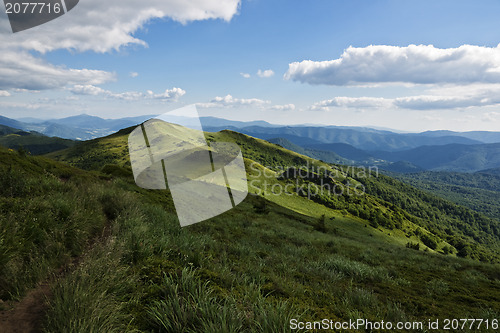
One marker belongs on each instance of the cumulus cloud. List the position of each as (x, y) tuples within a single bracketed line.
[(21, 70), (93, 25), (245, 75), (286, 107), (352, 102), (229, 101), (174, 94), (101, 26), (429, 102), (265, 73), (414, 64), (4, 93), (133, 74), (89, 90)]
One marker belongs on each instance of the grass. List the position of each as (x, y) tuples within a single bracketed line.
[(228, 275), (247, 270)]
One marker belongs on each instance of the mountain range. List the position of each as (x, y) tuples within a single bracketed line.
[(393, 151)]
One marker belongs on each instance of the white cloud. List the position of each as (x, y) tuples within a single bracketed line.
[(266, 73), (352, 102), (491, 117), (21, 70), (88, 90), (101, 26), (174, 94), (229, 102), (245, 75), (4, 93), (429, 102), (93, 25), (286, 107), (171, 95), (17, 105), (133, 74), (415, 64)]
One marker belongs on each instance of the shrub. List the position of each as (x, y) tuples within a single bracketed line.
[(414, 246), (320, 224)]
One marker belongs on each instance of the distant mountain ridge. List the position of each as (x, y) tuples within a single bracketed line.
[(81, 127), (370, 140), (399, 152), (452, 157)]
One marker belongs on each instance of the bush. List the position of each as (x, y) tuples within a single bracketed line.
[(429, 241), (414, 246), (260, 206), (320, 224)]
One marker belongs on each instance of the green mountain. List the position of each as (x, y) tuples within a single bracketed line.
[(387, 203), (325, 156), (495, 171), (453, 157), (124, 264), (32, 142), (478, 191)]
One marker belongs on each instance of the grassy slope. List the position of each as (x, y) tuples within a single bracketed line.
[(403, 205), (240, 271), (35, 143)]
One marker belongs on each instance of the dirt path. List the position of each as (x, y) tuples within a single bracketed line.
[(27, 314)]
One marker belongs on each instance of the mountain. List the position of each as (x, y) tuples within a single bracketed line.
[(453, 157), (214, 122), (81, 127), (117, 259), (11, 123), (85, 127), (495, 171), (482, 136), (88, 122), (368, 139), (478, 191), (326, 156), (422, 210), (343, 149), (33, 142), (400, 167)]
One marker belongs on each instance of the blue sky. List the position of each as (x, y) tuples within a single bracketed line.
[(127, 61)]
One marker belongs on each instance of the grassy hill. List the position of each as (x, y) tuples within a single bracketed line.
[(387, 203), (273, 258), (32, 142)]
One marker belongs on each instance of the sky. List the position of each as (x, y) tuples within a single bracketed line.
[(406, 65)]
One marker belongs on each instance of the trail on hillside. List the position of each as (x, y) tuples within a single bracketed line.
[(27, 315)]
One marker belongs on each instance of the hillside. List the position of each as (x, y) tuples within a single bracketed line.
[(81, 127), (478, 191), (453, 157), (495, 171), (32, 142), (388, 203), (250, 269), (326, 156)]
